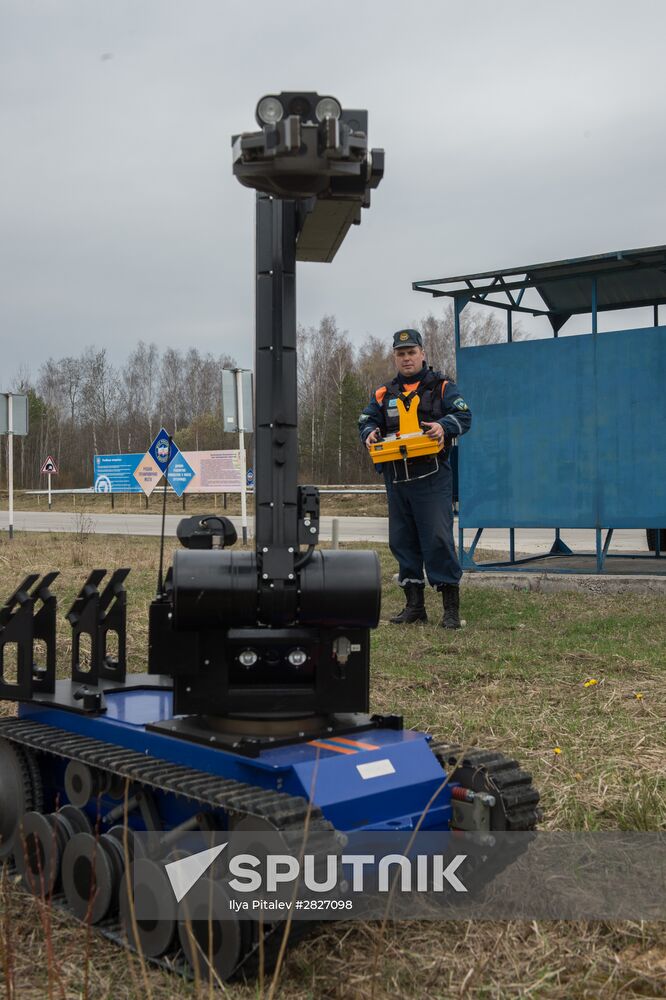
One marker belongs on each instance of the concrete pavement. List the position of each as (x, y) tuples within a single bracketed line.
[(531, 541)]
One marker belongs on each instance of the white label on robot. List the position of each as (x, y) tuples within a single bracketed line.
[(375, 768)]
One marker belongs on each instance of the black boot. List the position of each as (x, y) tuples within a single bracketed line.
[(414, 609), (451, 602)]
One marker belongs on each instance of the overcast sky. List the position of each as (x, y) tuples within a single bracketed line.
[(515, 132)]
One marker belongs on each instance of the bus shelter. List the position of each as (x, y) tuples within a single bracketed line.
[(569, 430)]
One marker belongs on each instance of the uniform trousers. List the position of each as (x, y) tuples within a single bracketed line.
[(421, 527)]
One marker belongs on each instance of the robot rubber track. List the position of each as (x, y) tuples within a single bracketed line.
[(515, 809), (280, 810)]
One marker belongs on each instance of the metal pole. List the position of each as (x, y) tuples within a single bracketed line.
[(49, 478), (10, 462), (335, 533), (241, 445)]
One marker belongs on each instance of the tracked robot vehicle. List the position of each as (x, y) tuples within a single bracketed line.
[(258, 661)]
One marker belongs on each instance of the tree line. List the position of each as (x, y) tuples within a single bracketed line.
[(82, 406)]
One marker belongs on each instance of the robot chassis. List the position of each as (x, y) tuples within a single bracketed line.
[(258, 663)]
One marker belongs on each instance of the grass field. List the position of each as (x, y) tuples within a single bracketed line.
[(515, 679)]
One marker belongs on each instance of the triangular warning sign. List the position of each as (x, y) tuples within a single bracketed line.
[(49, 467)]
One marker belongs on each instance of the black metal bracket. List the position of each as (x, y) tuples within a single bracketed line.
[(44, 630), (308, 515), (113, 620), (16, 631), (19, 628), (83, 617), (96, 615)]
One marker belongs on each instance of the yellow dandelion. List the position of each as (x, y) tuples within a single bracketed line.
[(591, 682), (557, 750), (638, 695)]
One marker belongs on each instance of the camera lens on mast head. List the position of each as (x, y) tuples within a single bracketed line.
[(327, 107), (269, 110)]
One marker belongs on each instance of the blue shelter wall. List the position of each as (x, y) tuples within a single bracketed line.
[(568, 432)]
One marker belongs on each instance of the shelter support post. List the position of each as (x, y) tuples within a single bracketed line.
[(459, 304), (602, 549), (559, 547), (468, 556)]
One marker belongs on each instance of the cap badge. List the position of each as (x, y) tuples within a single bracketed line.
[(404, 335)]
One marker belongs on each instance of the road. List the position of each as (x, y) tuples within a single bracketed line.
[(351, 529)]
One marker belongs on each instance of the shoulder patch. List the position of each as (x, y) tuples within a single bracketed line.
[(460, 403)]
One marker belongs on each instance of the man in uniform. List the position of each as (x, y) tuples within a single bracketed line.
[(420, 490)]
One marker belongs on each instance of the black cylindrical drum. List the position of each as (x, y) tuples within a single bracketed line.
[(341, 588), (214, 589)]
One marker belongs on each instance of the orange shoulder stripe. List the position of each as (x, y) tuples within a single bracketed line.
[(444, 385), (380, 393)]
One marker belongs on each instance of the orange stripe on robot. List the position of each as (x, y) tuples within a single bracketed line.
[(327, 746), (354, 743)]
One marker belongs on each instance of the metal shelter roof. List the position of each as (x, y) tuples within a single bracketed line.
[(624, 279)]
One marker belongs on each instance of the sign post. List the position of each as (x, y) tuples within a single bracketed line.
[(49, 468), (237, 409), (241, 445), (10, 461), (13, 420)]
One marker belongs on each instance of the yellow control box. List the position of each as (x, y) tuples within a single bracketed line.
[(409, 442)]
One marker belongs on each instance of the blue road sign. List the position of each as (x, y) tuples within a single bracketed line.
[(170, 460), (180, 474), (115, 473), (161, 452), (249, 476)]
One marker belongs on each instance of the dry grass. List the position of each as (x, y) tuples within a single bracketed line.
[(514, 679)]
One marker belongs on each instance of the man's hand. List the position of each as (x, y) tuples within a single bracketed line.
[(372, 438), (434, 430)]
